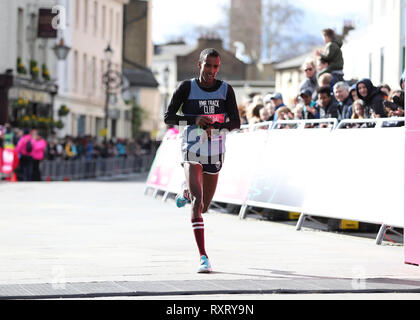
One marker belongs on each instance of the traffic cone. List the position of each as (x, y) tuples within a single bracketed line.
[(66, 179), (14, 178), (48, 179)]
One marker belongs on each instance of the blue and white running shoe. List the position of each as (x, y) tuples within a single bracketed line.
[(205, 266), (180, 200)]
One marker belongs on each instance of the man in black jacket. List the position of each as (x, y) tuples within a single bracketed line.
[(326, 105), (345, 102)]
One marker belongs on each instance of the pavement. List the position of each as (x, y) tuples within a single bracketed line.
[(110, 240)]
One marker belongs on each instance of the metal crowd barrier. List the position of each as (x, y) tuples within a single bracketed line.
[(82, 169)]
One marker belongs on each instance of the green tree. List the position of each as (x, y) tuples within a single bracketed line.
[(138, 114)]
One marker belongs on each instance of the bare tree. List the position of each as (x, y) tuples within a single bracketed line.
[(280, 23)]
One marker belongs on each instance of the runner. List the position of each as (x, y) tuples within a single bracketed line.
[(209, 111)]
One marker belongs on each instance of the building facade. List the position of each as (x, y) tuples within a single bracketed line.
[(93, 25), (137, 63), (88, 27), (378, 51), (27, 64)]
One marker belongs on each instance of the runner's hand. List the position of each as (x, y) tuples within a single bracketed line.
[(202, 121)]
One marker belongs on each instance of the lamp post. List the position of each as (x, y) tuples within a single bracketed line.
[(166, 82), (113, 81), (108, 56)]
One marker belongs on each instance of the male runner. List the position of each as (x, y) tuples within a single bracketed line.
[(209, 111)]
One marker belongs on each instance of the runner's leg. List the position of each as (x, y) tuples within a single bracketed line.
[(209, 188), (194, 177)]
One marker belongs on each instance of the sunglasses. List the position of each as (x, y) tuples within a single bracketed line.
[(309, 69)]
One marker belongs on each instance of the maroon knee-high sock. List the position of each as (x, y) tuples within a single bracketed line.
[(198, 228)]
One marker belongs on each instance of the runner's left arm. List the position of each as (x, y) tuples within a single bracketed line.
[(232, 113)]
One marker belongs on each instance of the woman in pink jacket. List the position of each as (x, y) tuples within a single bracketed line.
[(38, 152)]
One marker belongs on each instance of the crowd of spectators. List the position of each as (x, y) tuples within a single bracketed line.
[(22, 150), (325, 93)]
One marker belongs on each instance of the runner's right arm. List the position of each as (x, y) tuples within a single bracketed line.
[(178, 98)]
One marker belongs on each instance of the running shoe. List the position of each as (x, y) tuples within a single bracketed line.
[(180, 200), (183, 197), (205, 266)]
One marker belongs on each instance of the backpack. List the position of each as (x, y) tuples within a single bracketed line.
[(29, 146)]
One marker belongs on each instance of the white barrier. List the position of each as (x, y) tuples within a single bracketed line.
[(328, 172)]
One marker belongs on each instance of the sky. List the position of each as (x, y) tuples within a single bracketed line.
[(174, 18)]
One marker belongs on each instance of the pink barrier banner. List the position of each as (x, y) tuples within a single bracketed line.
[(166, 164), (412, 146)]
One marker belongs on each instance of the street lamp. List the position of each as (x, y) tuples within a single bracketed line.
[(113, 81), (166, 82), (61, 50), (108, 57)]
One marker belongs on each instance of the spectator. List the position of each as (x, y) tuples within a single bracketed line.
[(402, 81), (298, 112), (395, 106), (342, 95), (24, 150), (264, 114), (332, 54), (269, 106), (309, 110), (372, 97), (38, 151), (242, 114), (325, 80), (89, 149), (326, 105), (277, 100), (9, 158), (353, 92), (255, 114), (358, 113), (284, 113), (311, 81), (52, 150), (358, 110), (70, 151), (386, 90), (121, 151)]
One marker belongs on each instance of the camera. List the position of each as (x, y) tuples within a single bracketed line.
[(390, 105)]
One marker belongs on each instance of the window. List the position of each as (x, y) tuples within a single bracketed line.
[(370, 66), (81, 125), (382, 65), (111, 20), (93, 75), (103, 22), (117, 27), (20, 29), (85, 74), (86, 15), (76, 70), (95, 18), (102, 74), (76, 13)]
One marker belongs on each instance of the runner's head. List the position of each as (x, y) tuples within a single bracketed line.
[(209, 64)]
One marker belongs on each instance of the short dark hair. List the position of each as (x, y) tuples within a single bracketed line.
[(330, 33), (208, 52), (324, 89)]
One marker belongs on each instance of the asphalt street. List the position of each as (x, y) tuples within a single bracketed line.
[(108, 240)]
